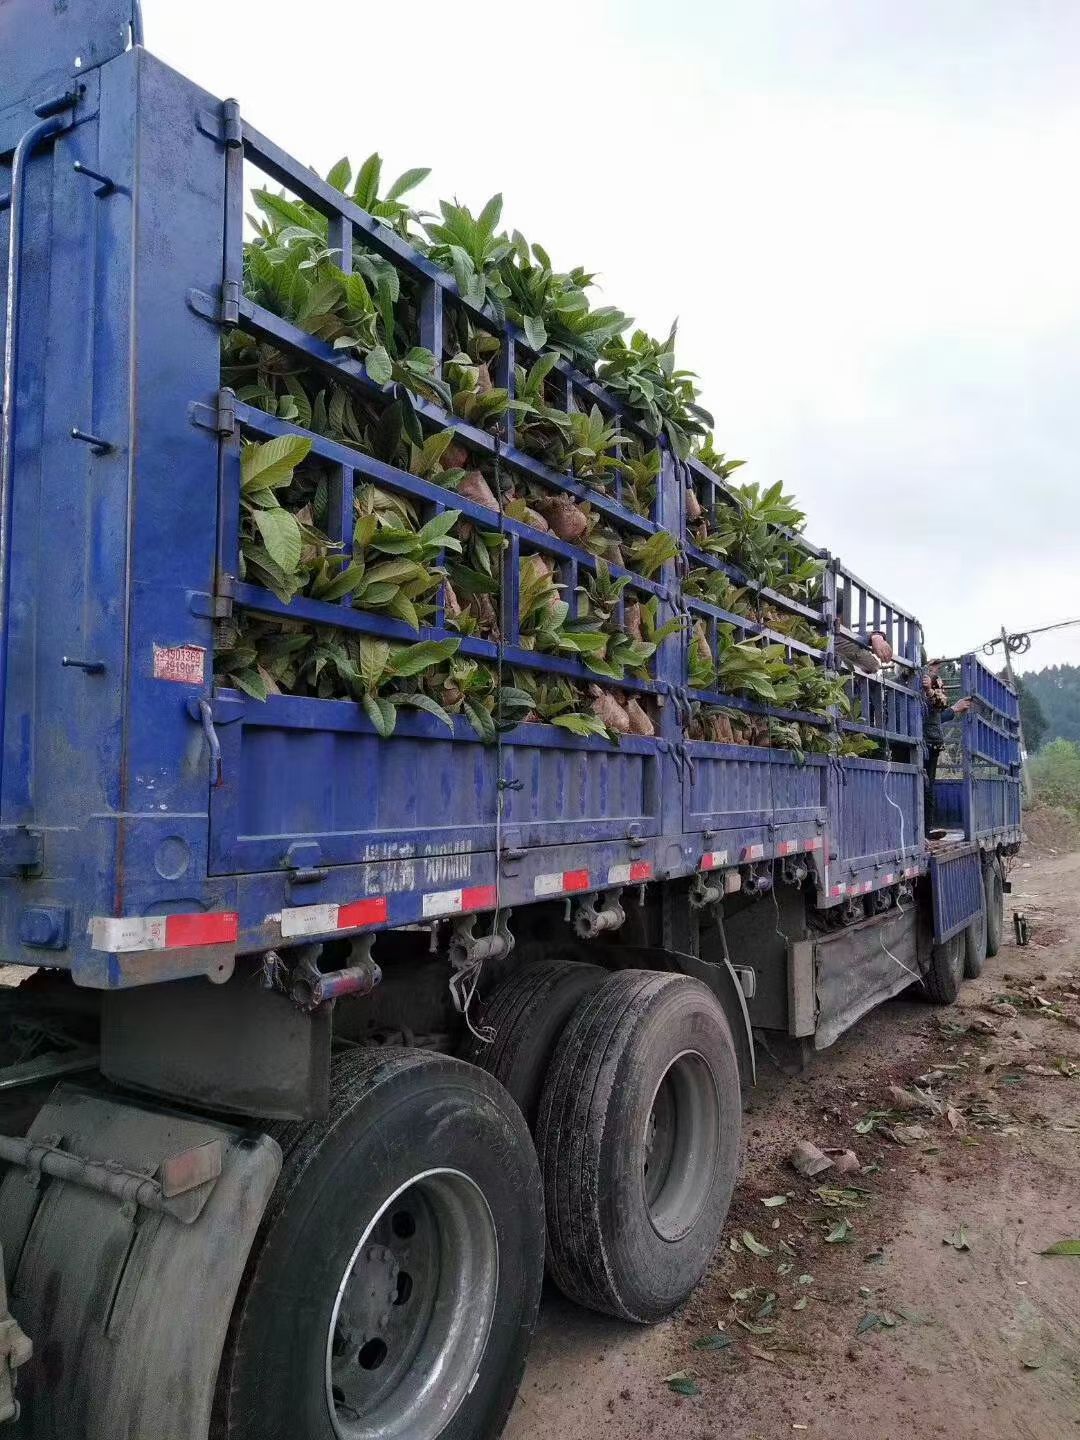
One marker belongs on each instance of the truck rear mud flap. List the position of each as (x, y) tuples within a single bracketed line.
[(124, 1231)]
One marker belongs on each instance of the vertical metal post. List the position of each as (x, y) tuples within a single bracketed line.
[(1025, 777)]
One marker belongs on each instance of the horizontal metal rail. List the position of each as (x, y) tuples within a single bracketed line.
[(321, 612), (752, 627), (264, 325)]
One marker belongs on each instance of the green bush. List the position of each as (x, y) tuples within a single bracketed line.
[(1055, 774)]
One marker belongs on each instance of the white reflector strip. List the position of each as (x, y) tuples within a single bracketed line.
[(636, 873), (713, 860), (753, 852), (454, 902), (562, 880), (840, 889), (127, 933), (308, 920)]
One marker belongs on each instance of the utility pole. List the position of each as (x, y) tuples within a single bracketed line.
[(1025, 778)]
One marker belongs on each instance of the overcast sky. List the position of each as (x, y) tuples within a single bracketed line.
[(865, 214)]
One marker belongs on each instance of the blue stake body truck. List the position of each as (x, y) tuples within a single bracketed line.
[(327, 1037)]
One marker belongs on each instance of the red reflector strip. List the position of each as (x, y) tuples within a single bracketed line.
[(840, 889), (753, 852), (890, 879), (787, 847), (911, 872), (636, 873), (299, 920), (362, 912), (127, 933), (814, 844), (561, 881), (217, 929), (458, 902), (713, 860)]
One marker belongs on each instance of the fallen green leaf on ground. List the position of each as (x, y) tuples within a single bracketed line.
[(875, 1322), (800, 1304), (719, 1341), (958, 1240), (1062, 1247), (772, 1200), (682, 1383), (839, 1234), (754, 1246)]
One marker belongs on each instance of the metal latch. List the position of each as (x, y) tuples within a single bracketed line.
[(180, 1187), (21, 850), (15, 1350)]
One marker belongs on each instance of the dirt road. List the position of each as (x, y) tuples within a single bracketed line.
[(879, 1326)]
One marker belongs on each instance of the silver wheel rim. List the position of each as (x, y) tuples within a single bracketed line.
[(413, 1312), (682, 1146)]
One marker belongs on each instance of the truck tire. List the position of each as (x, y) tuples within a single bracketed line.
[(995, 906), (527, 1014), (394, 1285), (638, 1135), (941, 983), (975, 946)]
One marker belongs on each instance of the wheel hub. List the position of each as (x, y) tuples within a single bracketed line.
[(413, 1312), (681, 1146)]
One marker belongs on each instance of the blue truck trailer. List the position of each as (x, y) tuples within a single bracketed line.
[(343, 1008)]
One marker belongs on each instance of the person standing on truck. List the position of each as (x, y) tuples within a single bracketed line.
[(936, 711), (866, 652)]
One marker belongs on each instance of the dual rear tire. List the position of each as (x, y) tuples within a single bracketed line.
[(393, 1287), (630, 1085)]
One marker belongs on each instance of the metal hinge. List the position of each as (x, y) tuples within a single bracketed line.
[(220, 309), (21, 850), (219, 418), (223, 126), (209, 607)]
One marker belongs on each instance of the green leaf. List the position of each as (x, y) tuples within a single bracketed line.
[(1062, 1247), (719, 1341), (270, 463), (381, 714), (281, 536), (366, 189), (251, 682), (422, 656), (839, 1233), (754, 1246), (439, 526), (374, 657), (480, 721), (773, 1200), (682, 1384), (419, 701), (340, 175), (580, 724), (535, 331), (406, 181), (378, 366)]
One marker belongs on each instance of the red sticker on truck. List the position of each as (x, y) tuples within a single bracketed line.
[(183, 663)]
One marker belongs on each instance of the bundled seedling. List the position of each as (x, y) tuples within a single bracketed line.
[(422, 568)]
